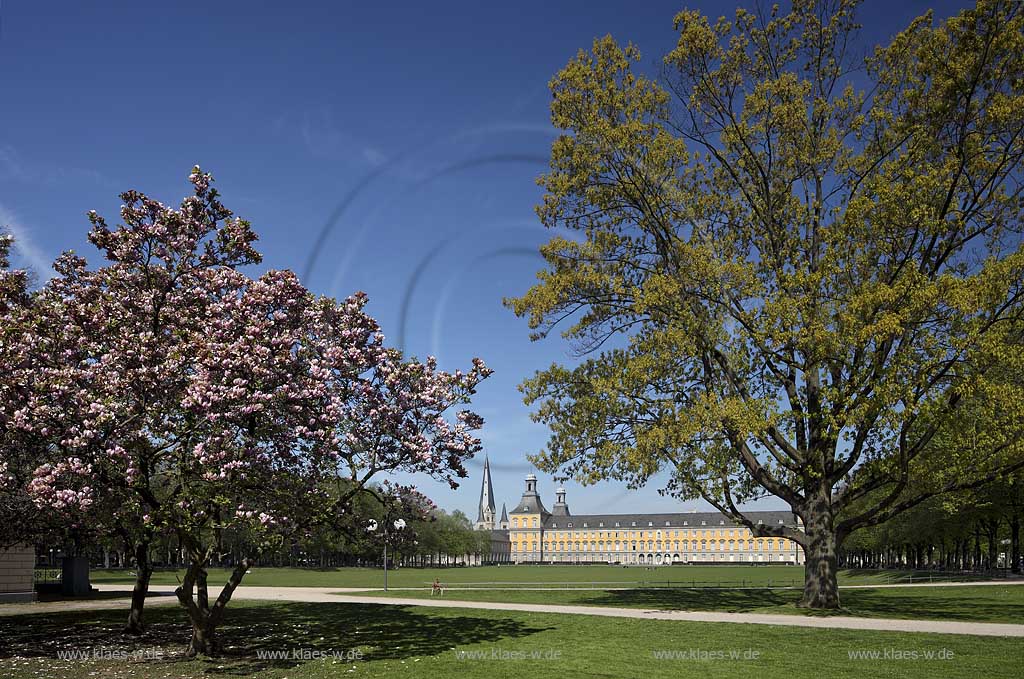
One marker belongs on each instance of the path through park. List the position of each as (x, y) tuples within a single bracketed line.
[(354, 595)]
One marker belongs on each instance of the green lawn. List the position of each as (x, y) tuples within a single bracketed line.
[(983, 603), (530, 576), (397, 641)]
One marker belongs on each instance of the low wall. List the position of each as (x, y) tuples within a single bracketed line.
[(16, 564)]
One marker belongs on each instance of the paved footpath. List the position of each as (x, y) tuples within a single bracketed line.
[(352, 595)]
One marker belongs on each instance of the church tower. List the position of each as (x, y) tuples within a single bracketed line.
[(503, 524), (486, 516)]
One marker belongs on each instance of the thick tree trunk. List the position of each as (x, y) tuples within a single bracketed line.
[(820, 587), (144, 571), (205, 619), (204, 641)]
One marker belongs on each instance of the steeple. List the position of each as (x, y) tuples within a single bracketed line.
[(485, 515), (503, 524)]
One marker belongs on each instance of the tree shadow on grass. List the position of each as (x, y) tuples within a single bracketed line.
[(95, 595), (932, 603), (289, 631), (728, 600), (937, 603)]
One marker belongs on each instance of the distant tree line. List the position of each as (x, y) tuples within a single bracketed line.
[(974, 531), (437, 539)]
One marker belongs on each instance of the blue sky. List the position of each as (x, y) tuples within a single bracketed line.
[(388, 147)]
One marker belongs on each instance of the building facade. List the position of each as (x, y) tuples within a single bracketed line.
[(536, 535)]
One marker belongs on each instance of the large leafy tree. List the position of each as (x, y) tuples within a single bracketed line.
[(786, 268)]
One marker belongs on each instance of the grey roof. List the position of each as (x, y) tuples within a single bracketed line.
[(504, 514), (531, 503), (675, 520), (486, 492)]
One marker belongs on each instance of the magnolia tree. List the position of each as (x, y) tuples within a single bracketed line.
[(14, 450), (115, 354), (178, 394)]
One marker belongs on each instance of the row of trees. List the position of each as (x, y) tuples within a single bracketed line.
[(970, 530), (168, 392), (434, 538)]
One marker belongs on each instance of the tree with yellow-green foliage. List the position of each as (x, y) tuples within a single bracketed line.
[(788, 271)]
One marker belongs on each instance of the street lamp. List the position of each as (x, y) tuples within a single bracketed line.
[(399, 524)]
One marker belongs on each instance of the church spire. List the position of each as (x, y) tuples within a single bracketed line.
[(485, 515)]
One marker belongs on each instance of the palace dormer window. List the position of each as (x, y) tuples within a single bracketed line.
[(667, 523), (650, 523), (616, 524), (686, 523), (600, 524), (584, 524), (569, 524)]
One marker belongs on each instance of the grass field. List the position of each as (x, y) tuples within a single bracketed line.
[(533, 576), (397, 641), (982, 604)]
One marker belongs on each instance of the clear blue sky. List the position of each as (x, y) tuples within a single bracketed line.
[(409, 133)]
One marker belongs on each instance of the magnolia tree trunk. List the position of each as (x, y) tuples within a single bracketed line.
[(820, 587), (192, 594), (144, 571)]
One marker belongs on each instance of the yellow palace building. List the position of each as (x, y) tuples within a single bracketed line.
[(536, 535)]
